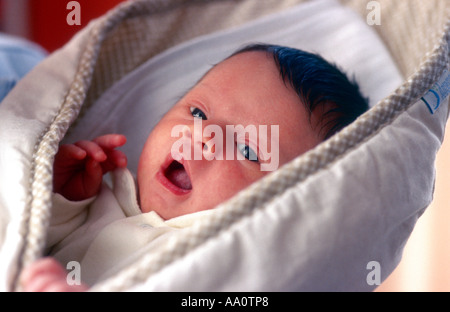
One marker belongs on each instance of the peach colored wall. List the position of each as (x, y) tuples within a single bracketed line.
[(425, 265), (45, 21)]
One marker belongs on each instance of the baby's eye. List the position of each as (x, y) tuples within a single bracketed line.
[(197, 113), (247, 152)]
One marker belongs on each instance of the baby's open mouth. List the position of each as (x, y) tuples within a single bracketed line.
[(177, 175)]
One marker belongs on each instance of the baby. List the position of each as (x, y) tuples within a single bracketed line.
[(308, 100)]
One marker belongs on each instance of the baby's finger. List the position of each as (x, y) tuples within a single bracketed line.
[(44, 266), (116, 159), (110, 141), (93, 150), (94, 172), (71, 151), (47, 275)]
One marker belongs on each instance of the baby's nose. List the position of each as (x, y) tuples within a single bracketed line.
[(205, 142), (206, 146), (211, 150)]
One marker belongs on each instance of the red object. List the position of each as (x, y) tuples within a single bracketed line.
[(49, 25)]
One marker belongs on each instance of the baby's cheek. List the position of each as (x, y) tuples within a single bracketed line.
[(234, 177)]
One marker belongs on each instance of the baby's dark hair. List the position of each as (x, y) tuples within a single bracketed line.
[(317, 82)]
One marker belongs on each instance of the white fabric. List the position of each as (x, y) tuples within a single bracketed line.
[(323, 27), (102, 232)]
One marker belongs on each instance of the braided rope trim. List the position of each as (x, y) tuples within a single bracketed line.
[(38, 208)]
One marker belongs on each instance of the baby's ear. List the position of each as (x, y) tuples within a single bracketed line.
[(324, 119)]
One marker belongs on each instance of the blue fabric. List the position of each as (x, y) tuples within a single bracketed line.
[(17, 58)]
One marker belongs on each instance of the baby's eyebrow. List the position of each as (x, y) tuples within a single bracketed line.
[(195, 84), (178, 98), (212, 66), (189, 89)]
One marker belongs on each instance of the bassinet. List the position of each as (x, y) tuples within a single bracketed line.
[(380, 169)]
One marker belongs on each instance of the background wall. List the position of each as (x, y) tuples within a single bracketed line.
[(45, 21), (426, 262)]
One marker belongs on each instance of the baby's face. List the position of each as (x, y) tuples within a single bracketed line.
[(190, 161)]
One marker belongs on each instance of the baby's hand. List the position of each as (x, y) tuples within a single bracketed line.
[(47, 275), (79, 168)]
